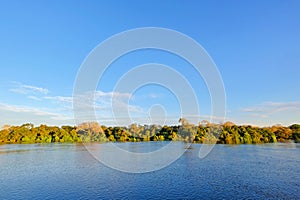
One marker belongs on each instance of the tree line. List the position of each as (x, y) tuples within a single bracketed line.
[(205, 132)]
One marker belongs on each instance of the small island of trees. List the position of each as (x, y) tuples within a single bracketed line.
[(205, 132)]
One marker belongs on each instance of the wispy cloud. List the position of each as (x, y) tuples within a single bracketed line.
[(34, 98), (101, 94), (153, 96), (98, 96), (273, 109), (195, 119), (267, 108), (16, 114), (58, 109), (60, 99), (24, 109), (107, 101), (28, 89)]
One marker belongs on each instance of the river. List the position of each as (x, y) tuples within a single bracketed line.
[(69, 171)]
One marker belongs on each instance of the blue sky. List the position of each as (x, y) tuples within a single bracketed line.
[(255, 45)]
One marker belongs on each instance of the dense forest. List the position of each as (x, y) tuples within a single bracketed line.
[(204, 132)]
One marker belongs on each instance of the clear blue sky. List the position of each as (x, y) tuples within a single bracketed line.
[(255, 44)]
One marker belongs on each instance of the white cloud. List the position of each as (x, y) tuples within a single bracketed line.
[(99, 97), (269, 113), (14, 114), (100, 94), (267, 108), (153, 96), (23, 109), (34, 98), (104, 101), (60, 99), (107, 106), (195, 119), (28, 89), (59, 109)]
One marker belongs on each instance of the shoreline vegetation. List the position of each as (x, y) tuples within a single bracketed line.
[(204, 132)]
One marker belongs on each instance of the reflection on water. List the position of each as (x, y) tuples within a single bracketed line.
[(68, 171)]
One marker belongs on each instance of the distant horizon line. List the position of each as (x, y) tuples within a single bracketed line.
[(230, 123)]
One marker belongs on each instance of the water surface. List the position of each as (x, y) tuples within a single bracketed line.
[(68, 171)]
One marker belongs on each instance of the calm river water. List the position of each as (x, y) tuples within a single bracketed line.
[(68, 171)]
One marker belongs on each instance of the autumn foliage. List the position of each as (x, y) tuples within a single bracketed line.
[(227, 133)]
